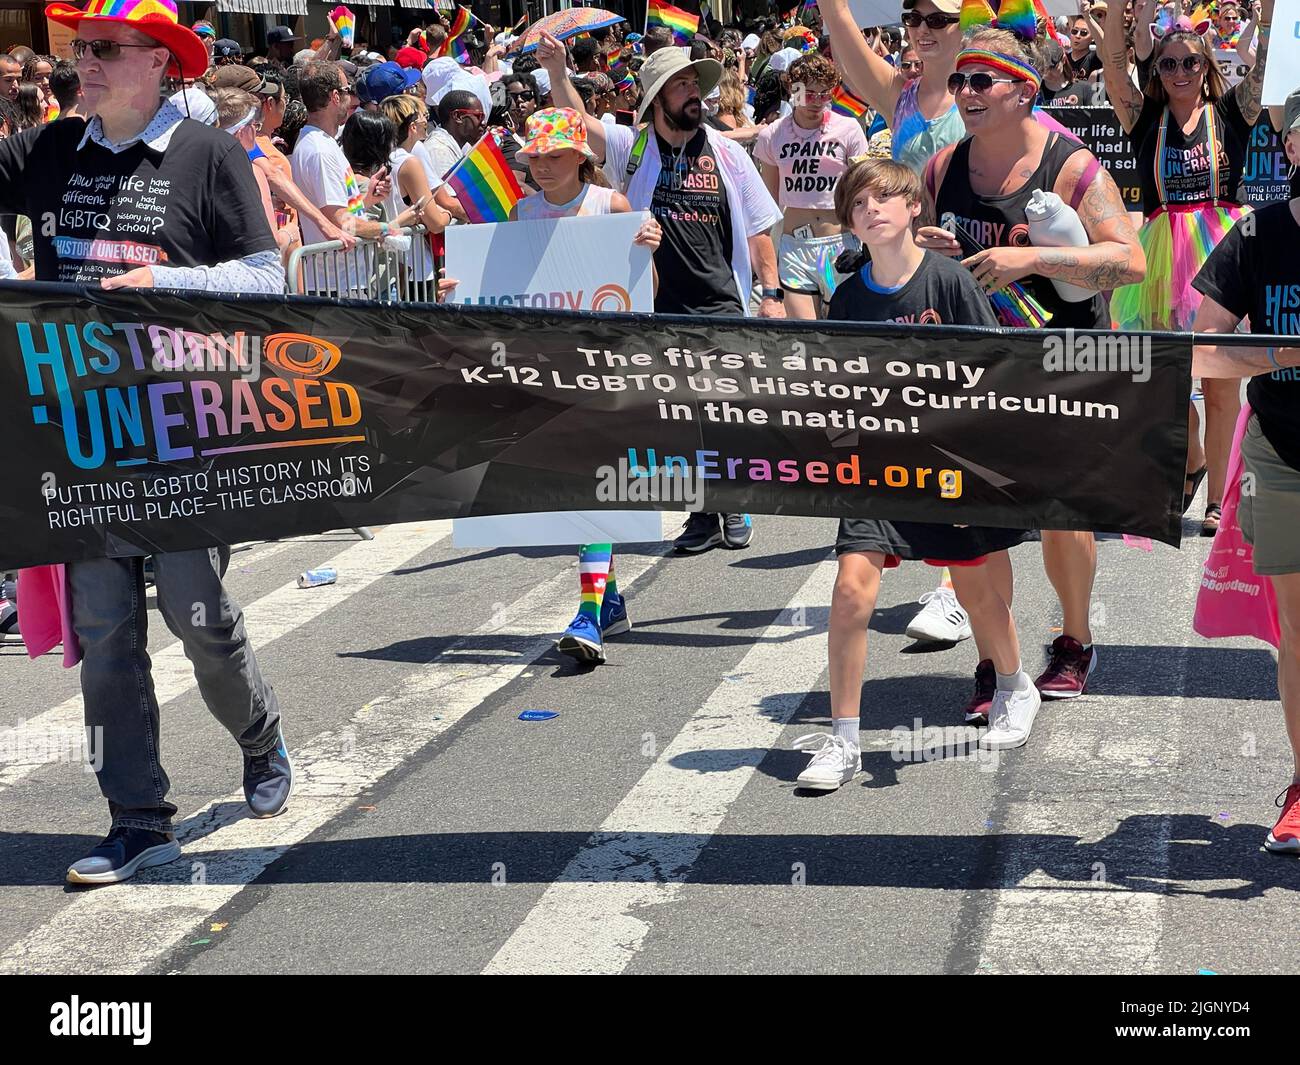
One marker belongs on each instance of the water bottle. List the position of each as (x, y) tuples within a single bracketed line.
[(1054, 224), (314, 578)]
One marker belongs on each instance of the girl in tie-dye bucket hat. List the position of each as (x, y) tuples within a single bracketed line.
[(155, 19)]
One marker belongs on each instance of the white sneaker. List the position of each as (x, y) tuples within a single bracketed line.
[(942, 620), (835, 761), (1011, 719)]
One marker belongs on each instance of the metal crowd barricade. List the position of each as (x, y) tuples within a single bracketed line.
[(375, 270)]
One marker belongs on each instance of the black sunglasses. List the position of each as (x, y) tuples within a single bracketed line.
[(936, 20), (103, 49), (979, 83), (527, 94), (1190, 64)]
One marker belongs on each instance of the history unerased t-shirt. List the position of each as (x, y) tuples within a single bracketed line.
[(941, 292), (1254, 271), (96, 213), (694, 256)]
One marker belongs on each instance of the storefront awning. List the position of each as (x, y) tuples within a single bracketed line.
[(263, 7), (422, 5)]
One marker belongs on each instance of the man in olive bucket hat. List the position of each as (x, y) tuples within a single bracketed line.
[(715, 211), (139, 196)]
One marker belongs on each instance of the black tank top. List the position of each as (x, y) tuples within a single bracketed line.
[(999, 221)]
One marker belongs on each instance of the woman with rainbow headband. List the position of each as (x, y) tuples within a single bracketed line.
[(978, 190), (1190, 135)]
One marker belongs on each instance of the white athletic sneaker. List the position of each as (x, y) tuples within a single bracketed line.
[(942, 620), (1011, 719), (834, 761)]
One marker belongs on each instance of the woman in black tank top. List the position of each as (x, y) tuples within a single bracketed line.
[(981, 186)]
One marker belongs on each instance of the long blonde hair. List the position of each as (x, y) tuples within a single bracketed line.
[(731, 98)]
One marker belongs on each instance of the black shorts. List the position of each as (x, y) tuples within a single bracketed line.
[(940, 544)]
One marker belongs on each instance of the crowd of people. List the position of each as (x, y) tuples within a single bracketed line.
[(858, 174)]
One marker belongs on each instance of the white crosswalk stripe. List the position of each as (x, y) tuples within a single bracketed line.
[(597, 914), (226, 850), (267, 619)]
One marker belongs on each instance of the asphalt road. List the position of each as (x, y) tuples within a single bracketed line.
[(653, 825)]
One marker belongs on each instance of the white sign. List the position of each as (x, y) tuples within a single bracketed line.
[(570, 264), (1282, 70), (1230, 66)]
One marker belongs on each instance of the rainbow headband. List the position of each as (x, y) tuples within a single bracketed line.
[(1008, 64)]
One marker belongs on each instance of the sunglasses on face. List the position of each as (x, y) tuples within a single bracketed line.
[(936, 20), (103, 49), (912, 64), (527, 94), (979, 83), (474, 116), (1190, 64), (1080, 32)]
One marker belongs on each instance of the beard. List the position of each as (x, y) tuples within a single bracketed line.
[(686, 118)]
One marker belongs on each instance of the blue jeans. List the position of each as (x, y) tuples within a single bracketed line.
[(111, 618)]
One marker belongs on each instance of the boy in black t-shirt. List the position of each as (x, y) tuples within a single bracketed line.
[(880, 200), (1254, 273)]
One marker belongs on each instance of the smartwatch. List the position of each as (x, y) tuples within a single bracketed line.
[(777, 294)]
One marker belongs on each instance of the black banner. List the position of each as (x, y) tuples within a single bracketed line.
[(134, 422), (1265, 173), (1099, 128)]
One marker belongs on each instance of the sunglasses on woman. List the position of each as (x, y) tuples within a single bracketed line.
[(1190, 64), (936, 20), (527, 94), (979, 83), (103, 49), (912, 64)]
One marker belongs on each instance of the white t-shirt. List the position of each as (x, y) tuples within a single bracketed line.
[(322, 172), (443, 150)]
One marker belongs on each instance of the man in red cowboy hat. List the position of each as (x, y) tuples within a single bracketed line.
[(141, 196)]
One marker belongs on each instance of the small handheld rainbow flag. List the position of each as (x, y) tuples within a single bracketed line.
[(845, 103), (462, 21), (682, 24), (346, 23), (483, 183)]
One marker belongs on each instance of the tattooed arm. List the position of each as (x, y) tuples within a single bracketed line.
[(1113, 257), (1251, 87), (1124, 96)]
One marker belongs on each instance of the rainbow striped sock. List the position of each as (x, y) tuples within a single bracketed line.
[(611, 585), (594, 562)]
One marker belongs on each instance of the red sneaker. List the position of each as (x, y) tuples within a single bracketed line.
[(986, 682), (1067, 673), (1285, 837)]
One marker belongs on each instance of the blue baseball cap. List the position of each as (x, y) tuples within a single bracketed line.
[(385, 80)]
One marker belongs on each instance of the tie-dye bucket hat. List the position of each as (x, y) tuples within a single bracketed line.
[(555, 129)]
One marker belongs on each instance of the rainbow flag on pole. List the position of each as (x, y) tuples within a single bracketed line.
[(682, 24), (845, 103), (483, 183)]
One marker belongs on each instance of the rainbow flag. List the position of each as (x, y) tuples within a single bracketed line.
[(483, 183), (462, 21), (845, 103), (682, 24)]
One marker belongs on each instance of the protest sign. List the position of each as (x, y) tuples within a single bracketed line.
[(140, 421), (1264, 171), (1099, 128), (1282, 71), (572, 264)]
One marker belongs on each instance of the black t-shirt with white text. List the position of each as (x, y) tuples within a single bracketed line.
[(1254, 272), (694, 257), (97, 213), (1185, 168), (941, 292)]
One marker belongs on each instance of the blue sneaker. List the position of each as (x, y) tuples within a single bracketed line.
[(613, 616), (268, 780), (124, 852), (582, 640)]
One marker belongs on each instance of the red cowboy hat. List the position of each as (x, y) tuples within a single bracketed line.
[(154, 18)]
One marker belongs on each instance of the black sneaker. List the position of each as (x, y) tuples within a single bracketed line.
[(268, 780), (737, 529), (123, 853), (702, 531)]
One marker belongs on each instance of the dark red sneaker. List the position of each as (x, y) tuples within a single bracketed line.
[(986, 682), (1285, 837), (1067, 673)]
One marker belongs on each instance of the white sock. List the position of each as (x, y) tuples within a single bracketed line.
[(846, 728), (1013, 682)]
